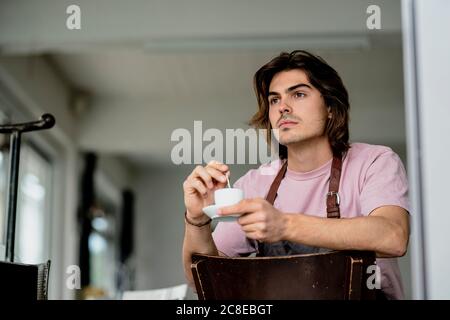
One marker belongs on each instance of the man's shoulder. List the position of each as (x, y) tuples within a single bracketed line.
[(365, 156), (367, 151)]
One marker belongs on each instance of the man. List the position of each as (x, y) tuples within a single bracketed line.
[(304, 98)]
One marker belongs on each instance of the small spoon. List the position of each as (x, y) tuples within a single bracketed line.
[(228, 180)]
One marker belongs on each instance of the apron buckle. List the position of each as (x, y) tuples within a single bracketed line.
[(334, 193)]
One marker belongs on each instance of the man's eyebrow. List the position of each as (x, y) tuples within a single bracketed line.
[(271, 93)]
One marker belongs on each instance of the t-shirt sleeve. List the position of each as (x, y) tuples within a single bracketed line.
[(229, 237), (385, 184)]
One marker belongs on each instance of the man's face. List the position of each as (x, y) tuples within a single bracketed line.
[(296, 108)]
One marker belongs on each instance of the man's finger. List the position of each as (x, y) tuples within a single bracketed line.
[(218, 165), (250, 218), (253, 227), (202, 174), (217, 175), (254, 235), (244, 206), (199, 185)]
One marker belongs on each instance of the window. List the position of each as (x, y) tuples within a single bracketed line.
[(3, 183), (32, 243), (103, 248), (3, 177), (34, 207)]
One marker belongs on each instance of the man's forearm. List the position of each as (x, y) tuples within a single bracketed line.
[(196, 240), (372, 233)]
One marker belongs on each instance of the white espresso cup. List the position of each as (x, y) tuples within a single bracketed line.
[(228, 196)]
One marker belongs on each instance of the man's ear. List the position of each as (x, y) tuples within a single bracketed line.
[(330, 115)]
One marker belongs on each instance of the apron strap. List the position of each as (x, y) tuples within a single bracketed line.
[(332, 200), (276, 183)]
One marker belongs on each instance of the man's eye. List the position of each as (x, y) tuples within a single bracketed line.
[(300, 95), (273, 101)]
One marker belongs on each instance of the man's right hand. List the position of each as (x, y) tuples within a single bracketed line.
[(199, 188)]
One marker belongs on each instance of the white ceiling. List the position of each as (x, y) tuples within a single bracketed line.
[(137, 75), (40, 26)]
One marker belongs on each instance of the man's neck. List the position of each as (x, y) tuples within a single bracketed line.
[(309, 155)]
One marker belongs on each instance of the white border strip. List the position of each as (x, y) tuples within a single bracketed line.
[(412, 120)]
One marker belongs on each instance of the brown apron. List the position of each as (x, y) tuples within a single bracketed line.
[(283, 248)]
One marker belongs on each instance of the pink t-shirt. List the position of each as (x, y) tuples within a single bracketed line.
[(372, 176)]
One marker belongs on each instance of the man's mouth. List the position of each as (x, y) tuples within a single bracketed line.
[(287, 123)]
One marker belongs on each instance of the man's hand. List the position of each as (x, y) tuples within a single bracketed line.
[(259, 220), (199, 188)]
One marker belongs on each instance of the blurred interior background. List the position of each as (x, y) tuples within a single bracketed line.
[(101, 184)]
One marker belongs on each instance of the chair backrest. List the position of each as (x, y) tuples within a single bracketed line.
[(336, 275)]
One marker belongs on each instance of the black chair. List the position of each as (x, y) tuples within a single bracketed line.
[(24, 281)]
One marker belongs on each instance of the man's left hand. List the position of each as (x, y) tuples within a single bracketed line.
[(259, 219)]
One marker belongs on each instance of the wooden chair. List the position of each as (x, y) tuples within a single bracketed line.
[(334, 275)]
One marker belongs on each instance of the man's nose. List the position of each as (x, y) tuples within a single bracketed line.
[(285, 106)]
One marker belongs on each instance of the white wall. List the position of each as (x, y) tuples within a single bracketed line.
[(434, 78), (427, 77), (159, 227)]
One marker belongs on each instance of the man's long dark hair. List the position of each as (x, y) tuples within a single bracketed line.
[(323, 77)]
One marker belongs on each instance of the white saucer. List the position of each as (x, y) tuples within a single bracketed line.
[(211, 211)]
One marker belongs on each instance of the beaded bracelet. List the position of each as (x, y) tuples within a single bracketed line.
[(196, 224)]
